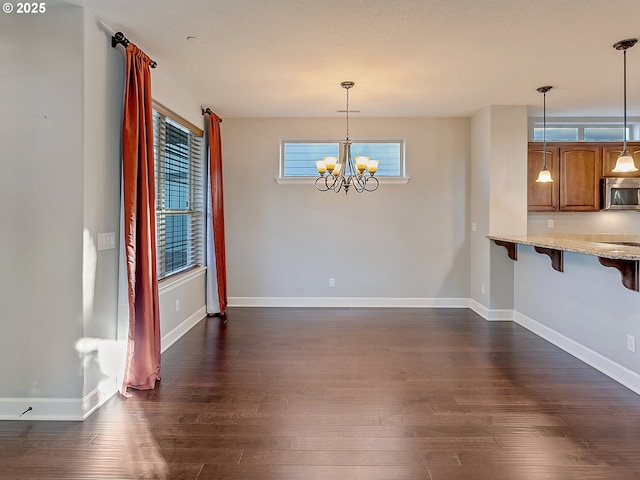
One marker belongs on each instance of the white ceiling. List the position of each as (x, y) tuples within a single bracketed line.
[(286, 58)]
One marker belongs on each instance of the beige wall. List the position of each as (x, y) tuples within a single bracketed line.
[(584, 222), (498, 202), (403, 241)]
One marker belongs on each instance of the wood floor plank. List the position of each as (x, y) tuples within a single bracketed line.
[(349, 457), (342, 393)]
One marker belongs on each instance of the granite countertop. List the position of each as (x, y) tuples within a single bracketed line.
[(606, 245)]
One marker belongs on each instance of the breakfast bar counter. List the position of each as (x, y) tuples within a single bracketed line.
[(617, 250)]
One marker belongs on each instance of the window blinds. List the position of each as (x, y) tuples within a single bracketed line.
[(179, 196)]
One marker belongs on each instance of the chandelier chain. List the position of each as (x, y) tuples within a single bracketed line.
[(347, 135)]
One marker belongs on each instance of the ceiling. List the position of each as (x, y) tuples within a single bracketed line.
[(286, 58)]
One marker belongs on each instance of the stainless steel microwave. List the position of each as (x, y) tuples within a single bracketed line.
[(621, 194)]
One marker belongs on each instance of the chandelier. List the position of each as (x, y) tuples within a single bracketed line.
[(347, 172)]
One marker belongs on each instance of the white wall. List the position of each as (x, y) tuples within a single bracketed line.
[(175, 98), (42, 206), (508, 177), (186, 289), (479, 268), (284, 242), (102, 107)]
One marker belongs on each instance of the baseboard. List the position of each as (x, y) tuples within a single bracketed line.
[(490, 315), (174, 335), (57, 409), (614, 370), (360, 302), (305, 302), (41, 409), (98, 396)]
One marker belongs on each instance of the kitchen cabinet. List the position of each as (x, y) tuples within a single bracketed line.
[(610, 154), (576, 169), (580, 170)]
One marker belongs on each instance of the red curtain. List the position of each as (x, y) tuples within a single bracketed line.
[(217, 207), (142, 367)]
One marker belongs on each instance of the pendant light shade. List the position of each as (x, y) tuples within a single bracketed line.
[(625, 163), (545, 175)]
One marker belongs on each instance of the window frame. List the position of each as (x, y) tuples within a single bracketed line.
[(196, 196), (281, 179)]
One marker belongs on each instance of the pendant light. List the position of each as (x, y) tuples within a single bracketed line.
[(545, 175), (625, 163)]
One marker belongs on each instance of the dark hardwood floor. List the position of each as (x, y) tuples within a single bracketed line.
[(347, 394)]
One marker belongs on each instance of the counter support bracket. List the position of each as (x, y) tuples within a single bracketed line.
[(556, 256), (512, 250), (628, 270)]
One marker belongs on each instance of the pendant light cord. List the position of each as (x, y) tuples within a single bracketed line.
[(625, 101), (544, 131)]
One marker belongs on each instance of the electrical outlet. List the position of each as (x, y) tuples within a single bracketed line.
[(482, 289), (474, 226), (631, 343), (550, 223), (332, 282), (177, 305)]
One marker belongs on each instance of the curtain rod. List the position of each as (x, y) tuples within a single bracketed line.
[(208, 111), (119, 38)]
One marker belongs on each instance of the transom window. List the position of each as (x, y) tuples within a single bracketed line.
[(179, 196), (587, 132), (298, 157)]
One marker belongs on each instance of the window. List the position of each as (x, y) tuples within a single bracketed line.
[(600, 134), (588, 132), (298, 157), (556, 134), (179, 195)]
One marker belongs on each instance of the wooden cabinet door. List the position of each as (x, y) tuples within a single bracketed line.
[(610, 154), (542, 197), (580, 169)]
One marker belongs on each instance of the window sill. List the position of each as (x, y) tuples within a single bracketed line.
[(311, 180), (179, 279)]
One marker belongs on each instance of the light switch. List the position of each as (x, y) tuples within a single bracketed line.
[(106, 241)]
